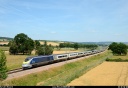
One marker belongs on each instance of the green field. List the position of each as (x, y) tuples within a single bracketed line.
[(60, 75)]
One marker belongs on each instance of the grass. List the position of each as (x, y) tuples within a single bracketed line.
[(15, 61), (122, 57), (117, 58), (4, 48), (58, 76)]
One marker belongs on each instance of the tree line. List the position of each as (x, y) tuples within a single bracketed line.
[(77, 45)]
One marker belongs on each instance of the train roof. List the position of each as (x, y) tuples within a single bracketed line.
[(64, 53), (39, 56)]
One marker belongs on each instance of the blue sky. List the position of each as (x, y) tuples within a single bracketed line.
[(65, 20)]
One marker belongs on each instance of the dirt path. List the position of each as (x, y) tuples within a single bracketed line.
[(106, 74)]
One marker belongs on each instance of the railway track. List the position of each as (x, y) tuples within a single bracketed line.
[(14, 70)]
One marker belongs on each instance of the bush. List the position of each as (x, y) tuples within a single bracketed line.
[(3, 67), (117, 60)]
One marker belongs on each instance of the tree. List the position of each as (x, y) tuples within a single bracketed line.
[(13, 48), (37, 44), (57, 47), (91, 46), (3, 67), (118, 48), (21, 44), (29, 46), (45, 49), (76, 46)]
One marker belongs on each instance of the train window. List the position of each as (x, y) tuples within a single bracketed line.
[(60, 56), (35, 60), (65, 55), (27, 59), (73, 54)]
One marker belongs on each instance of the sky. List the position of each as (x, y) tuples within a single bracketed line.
[(65, 20)]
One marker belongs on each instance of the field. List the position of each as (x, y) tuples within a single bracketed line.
[(59, 76), (106, 74), (122, 57), (4, 48), (52, 43), (3, 42)]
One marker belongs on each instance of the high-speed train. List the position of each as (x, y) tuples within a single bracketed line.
[(34, 61)]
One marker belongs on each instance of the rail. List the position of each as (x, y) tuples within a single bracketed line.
[(14, 70)]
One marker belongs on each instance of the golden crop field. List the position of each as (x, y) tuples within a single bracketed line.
[(4, 42), (52, 43), (106, 74)]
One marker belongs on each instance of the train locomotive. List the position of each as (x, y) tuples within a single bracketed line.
[(35, 61)]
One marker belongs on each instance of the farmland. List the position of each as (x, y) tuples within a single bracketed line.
[(106, 74)]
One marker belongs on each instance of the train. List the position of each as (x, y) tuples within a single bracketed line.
[(35, 61)]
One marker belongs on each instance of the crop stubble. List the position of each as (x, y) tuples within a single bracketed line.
[(106, 74)]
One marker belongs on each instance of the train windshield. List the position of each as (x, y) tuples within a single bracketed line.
[(27, 59)]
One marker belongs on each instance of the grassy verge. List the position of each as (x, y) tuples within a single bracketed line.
[(59, 75)]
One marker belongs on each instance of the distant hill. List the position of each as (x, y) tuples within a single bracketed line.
[(101, 43), (5, 39), (98, 43)]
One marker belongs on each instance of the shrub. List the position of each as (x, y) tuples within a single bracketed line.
[(3, 67)]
